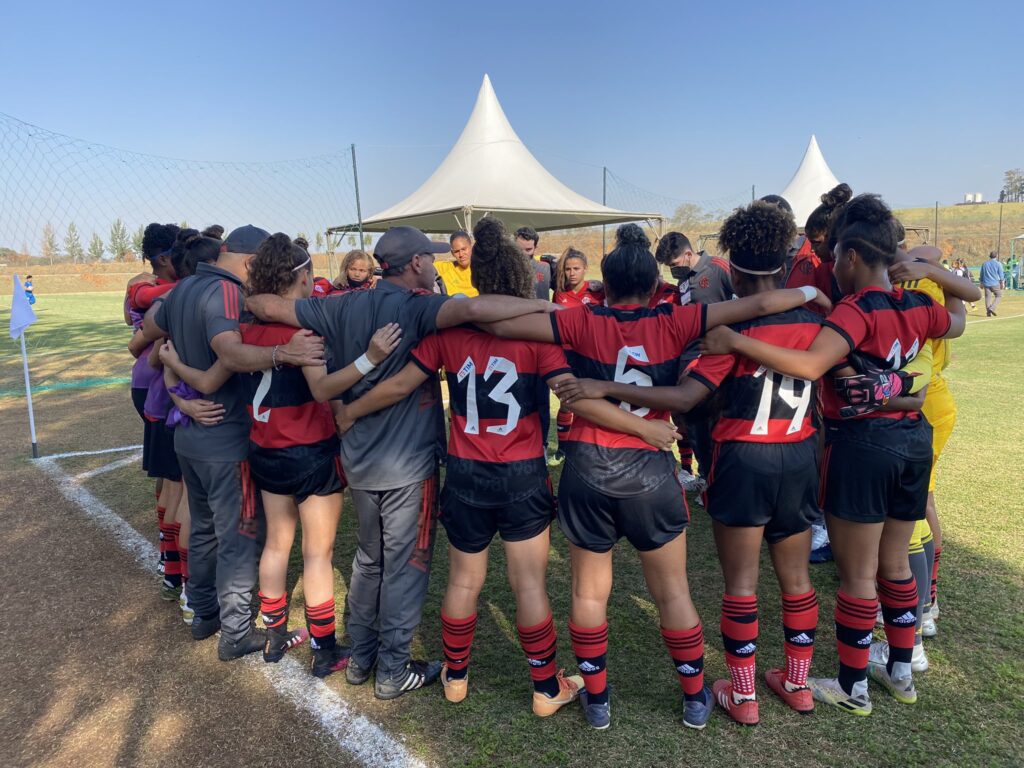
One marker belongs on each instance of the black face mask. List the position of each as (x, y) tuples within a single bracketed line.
[(681, 273), (357, 283)]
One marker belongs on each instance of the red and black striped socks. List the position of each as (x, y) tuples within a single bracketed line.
[(563, 423), (539, 643), (320, 621), (855, 618), (274, 611), (899, 611), (590, 644), (739, 637), (686, 647), (457, 639), (935, 574), (799, 625), (169, 553)]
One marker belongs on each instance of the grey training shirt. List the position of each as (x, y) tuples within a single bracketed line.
[(199, 308), (399, 445)]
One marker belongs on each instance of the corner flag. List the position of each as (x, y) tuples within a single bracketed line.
[(22, 316)]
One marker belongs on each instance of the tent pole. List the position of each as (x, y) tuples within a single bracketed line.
[(604, 202), (359, 209)]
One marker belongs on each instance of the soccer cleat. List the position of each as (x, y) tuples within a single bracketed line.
[(356, 674), (568, 689), (329, 660), (743, 712), (252, 641), (697, 713), (880, 655), (279, 641), (928, 627), (599, 716), (822, 554), (169, 593), (187, 614), (555, 459), (418, 674), (828, 691), (933, 613), (204, 628), (454, 690), (902, 690), (799, 699), (690, 482)]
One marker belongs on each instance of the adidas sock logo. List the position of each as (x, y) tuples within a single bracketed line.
[(801, 639)]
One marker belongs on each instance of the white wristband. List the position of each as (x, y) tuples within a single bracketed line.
[(810, 293), (363, 364)]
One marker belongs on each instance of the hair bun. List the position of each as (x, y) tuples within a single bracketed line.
[(191, 238), (488, 235), (631, 234), (838, 195)]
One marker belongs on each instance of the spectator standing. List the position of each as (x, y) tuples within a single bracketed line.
[(527, 240), (993, 281)]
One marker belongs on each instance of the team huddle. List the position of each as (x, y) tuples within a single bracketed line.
[(804, 374)]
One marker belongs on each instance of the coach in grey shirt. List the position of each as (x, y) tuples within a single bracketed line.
[(993, 280), (391, 457), (201, 317)]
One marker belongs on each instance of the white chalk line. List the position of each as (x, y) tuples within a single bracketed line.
[(133, 459), (370, 744), (993, 319), (72, 454)]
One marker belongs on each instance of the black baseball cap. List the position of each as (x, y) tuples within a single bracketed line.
[(245, 239), (399, 244)]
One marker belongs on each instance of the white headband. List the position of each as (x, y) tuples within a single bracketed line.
[(296, 269), (755, 271)]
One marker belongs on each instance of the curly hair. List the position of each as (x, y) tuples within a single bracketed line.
[(758, 237), (569, 253), (821, 217), (353, 256), (277, 264), (192, 249), (867, 226), (630, 269), (157, 239), (497, 265)]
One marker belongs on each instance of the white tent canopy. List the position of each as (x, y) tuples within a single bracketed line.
[(490, 171), (812, 179)]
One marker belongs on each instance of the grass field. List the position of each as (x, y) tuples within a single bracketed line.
[(970, 706)]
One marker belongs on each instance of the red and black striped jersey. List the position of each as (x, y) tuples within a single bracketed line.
[(665, 293), (808, 269), (142, 295), (589, 292), (495, 451), (632, 345), (322, 287), (887, 329), (758, 404), (291, 432)]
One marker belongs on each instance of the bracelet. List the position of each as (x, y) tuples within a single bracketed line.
[(810, 293), (363, 364), (273, 358)]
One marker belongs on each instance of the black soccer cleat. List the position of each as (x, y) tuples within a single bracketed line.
[(418, 674), (204, 628), (280, 641), (329, 660), (254, 640), (356, 674)]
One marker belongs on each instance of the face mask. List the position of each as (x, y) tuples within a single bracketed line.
[(681, 273), (357, 283)]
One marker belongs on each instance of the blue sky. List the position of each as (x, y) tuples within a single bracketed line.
[(918, 101)]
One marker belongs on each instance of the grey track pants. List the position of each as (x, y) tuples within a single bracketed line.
[(390, 573), (224, 543)]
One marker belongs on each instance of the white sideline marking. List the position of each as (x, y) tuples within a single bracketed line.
[(72, 454), (991, 319), (367, 742), (364, 740), (133, 459), (133, 542)]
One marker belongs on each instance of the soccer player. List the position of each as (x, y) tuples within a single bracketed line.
[(615, 485), (201, 315), (875, 469), (293, 458), (390, 458), (763, 479), (457, 275), (496, 481)]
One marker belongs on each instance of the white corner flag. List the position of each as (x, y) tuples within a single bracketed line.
[(22, 316)]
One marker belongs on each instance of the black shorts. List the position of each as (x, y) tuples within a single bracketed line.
[(594, 521), (774, 485), (158, 456), (139, 401), (326, 479), (866, 481), (470, 528)]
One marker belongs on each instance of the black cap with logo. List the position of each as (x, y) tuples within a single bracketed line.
[(399, 244)]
